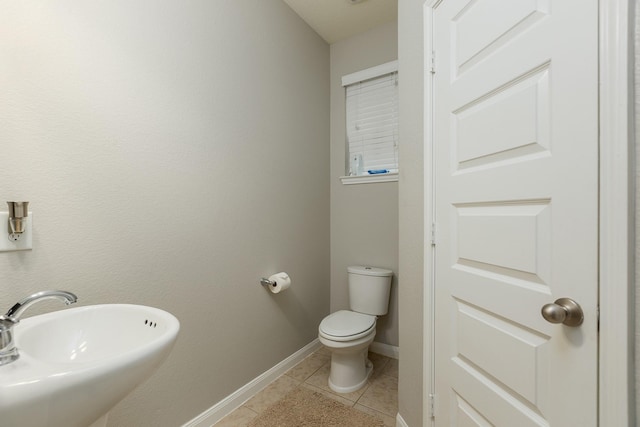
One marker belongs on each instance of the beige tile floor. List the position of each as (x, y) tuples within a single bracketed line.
[(379, 397)]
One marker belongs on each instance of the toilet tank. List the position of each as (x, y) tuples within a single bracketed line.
[(369, 289)]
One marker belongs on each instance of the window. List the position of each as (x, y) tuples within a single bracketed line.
[(372, 124)]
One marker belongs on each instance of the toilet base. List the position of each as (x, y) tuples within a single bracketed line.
[(340, 370), (350, 365)]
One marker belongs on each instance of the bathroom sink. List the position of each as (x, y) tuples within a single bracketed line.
[(76, 364)]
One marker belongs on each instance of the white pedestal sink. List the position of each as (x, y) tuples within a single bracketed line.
[(76, 364)]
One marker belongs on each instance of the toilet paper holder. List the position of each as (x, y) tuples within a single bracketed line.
[(266, 282), (277, 283)]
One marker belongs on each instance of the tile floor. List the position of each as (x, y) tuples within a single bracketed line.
[(379, 397)]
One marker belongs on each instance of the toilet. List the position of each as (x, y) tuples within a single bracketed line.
[(348, 333)]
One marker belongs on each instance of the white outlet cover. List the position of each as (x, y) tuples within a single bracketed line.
[(26, 240)]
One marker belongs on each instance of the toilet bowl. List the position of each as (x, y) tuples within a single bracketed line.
[(348, 333), (349, 344)]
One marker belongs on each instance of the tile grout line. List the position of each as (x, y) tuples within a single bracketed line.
[(355, 404)]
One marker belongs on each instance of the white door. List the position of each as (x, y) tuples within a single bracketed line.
[(515, 136)]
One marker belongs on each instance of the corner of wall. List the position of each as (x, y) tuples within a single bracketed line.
[(412, 375)]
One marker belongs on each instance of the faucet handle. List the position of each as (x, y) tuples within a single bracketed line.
[(6, 325), (8, 350), (7, 322)]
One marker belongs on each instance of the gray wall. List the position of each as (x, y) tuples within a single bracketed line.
[(173, 153), (364, 217), (636, 9), (411, 205)]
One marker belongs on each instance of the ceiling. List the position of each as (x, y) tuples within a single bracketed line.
[(335, 20)]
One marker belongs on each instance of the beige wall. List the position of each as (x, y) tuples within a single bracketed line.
[(173, 153), (411, 203), (364, 217)]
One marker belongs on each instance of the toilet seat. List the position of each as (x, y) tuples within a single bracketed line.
[(345, 325)]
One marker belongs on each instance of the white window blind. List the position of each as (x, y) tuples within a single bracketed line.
[(372, 123)]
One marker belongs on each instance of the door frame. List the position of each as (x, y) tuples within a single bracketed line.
[(616, 215), (617, 211)]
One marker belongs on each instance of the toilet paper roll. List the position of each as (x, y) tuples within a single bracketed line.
[(281, 281)]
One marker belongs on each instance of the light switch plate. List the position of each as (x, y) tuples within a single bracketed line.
[(26, 240)]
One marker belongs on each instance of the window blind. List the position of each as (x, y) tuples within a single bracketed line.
[(372, 124)]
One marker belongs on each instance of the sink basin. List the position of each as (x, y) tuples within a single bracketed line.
[(76, 364)]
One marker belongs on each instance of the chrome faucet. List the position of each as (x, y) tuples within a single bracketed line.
[(8, 350)]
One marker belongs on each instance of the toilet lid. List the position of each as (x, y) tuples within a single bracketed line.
[(346, 323)]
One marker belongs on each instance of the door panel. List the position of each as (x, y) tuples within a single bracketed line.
[(516, 169)]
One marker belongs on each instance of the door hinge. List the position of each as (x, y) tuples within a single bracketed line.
[(432, 405), (432, 62), (433, 234)]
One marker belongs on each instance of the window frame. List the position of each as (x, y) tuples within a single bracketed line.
[(353, 78)]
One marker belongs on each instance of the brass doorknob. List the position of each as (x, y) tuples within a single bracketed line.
[(565, 311)]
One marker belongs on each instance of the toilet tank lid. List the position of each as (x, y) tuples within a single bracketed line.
[(369, 271)]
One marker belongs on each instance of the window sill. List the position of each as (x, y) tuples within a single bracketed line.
[(369, 179)]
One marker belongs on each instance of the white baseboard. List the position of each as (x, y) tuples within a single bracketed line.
[(400, 421), (238, 397), (385, 349)]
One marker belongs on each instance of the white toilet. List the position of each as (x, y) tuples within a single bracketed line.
[(348, 333)]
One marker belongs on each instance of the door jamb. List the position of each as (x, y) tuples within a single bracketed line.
[(429, 213), (616, 374)]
